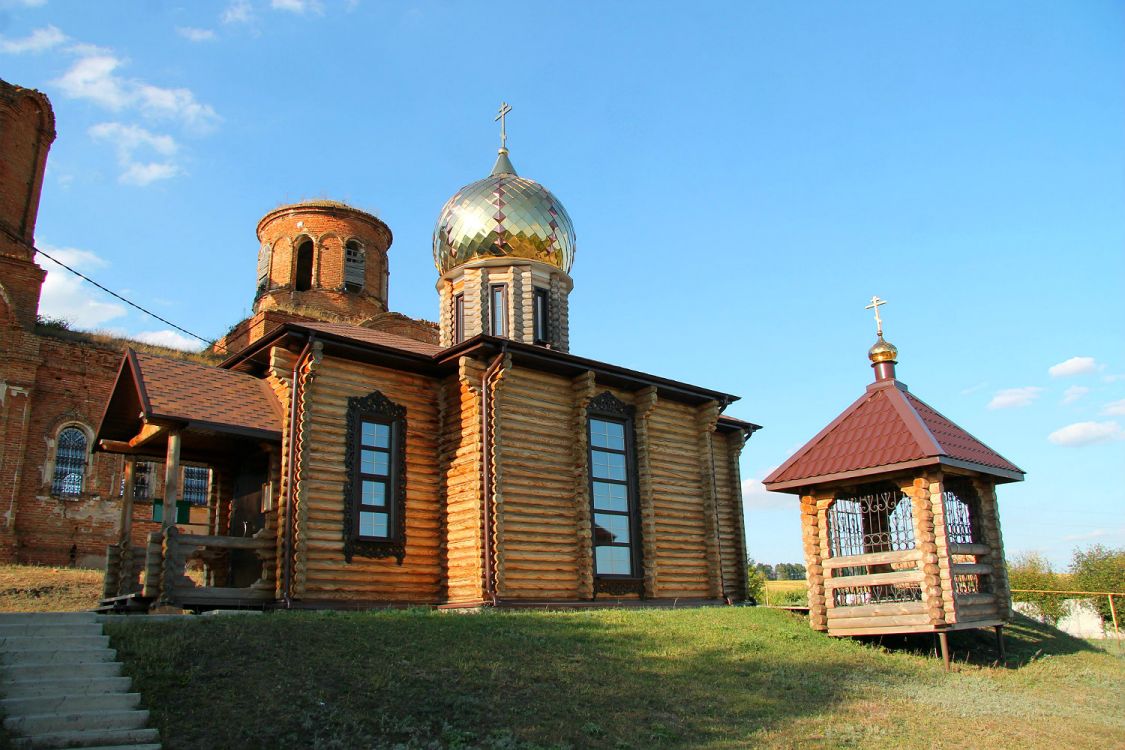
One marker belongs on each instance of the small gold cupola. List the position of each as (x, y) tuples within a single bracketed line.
[(883, 354)]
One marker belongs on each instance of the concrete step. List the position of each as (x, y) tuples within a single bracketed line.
[(56, 630), (102, 738), (73, 703), (13, 673), (46, 618), (53, 642), (69, 685), (84, 721), (58, 656)]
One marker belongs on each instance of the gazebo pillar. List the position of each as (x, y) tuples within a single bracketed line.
[(126, 524), (171, 480)]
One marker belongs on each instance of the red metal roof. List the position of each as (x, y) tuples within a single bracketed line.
[(204, 395), (884, 430), (369, 336)]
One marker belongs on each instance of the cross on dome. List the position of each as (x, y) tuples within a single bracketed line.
[(875, 303), (505, 108)]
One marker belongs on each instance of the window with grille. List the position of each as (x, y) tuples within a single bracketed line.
[(70, 463), (197, 482), (498, 310), (962, 510), (874, 518), (458, 318), (612, 491), (540, 314), (375, 505), (355, 263)]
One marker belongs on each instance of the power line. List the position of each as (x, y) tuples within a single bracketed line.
[(127, 302)]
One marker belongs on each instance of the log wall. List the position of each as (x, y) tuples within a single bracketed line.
[(461, 486), (323, 573)]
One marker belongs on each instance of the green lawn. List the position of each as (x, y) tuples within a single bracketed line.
[(717, 677)]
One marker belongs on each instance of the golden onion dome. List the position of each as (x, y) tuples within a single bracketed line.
[(503, 215), (882, 351)]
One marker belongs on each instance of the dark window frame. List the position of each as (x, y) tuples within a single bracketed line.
[(458, 317), (377, 409), (540, 315), (355, 257), (498, 313), (304, 265), (608, 408)]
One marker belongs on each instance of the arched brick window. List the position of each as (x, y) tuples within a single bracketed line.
[(302, 278), (355, 266), (70, 462)]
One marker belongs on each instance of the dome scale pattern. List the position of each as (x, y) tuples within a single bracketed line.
[(503, 216)]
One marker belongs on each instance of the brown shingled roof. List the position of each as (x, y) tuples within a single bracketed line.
[(369, 336), (202, 396), (884, 430)]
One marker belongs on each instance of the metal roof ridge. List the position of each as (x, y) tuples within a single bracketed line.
[(807, 447), (917, 426)]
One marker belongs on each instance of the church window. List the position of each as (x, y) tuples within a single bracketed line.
[(375, 506), (612, 489), (354, 266), (458, 318), (302, 279), (498, 310), (70, 462), (540, 313), (877, 518), (265, 256)]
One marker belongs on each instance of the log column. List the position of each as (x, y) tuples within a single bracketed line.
[(824, 502), (707, 417), (941, 542), (645, 401), (171, 480), (990, 528), (814, 559), (584, 387), (925, 541)]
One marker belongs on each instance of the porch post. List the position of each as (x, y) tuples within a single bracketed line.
[(127, 501), (171, 479)]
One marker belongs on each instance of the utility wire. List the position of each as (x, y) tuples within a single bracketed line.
[(118, 296)]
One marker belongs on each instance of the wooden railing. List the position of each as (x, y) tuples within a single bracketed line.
[(166, 563)]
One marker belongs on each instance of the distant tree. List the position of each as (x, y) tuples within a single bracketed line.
[(1100, 568), (755, 581), (768, 571), (1032, 571), (790, 571)]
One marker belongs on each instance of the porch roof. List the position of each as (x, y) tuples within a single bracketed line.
[(887, 429), (152, 392)]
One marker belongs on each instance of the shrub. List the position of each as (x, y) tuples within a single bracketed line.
[(755, 582), (1032, 571), (1099, 568)]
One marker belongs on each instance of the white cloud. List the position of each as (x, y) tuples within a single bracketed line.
[(1073, 393), (67, 297), (974, 388), (1114, 408), (23, 3), (297, 6), (755, 496), (94, 77), (195, 35), (1073, 366), (40, 40), (1013, 397), (127, 140), (1087, 433), (168, 338), (239, 11)]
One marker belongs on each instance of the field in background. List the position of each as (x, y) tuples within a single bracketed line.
[(786, 593)]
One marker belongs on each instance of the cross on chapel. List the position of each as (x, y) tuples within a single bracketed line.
[(875, 303), (505, 108)]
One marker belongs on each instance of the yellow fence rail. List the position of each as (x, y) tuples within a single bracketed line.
[(1085, 595)]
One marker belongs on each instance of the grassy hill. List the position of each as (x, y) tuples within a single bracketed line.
[(724, 677)]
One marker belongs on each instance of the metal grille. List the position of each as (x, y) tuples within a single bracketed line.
[(855, 596), (876, 519), (972, 583), (354, 262), (70, 462), (196, 481), (962, 507)]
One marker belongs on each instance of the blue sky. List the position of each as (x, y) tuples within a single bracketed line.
[(742, 178)]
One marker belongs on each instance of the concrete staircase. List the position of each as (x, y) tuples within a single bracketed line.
[(63, 687)]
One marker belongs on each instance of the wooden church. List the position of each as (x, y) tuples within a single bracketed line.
[(369, 462), (899, 516)]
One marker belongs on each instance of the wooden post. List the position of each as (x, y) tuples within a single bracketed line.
[(943, 639), (127, 502), (171, 479), (1113, 611), (1000, 640)]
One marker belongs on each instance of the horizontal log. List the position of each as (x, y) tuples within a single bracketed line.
[(970, 600), (876, 579), (225, 542), (872, 558), (881, 630), (211, 594), (886, 621), (963, 569), (879, 610)]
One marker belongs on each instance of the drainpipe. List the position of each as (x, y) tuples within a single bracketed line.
[(291, 473), (486, 484), (718, 524)]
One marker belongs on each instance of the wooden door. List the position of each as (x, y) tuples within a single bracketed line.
[(246, 519)]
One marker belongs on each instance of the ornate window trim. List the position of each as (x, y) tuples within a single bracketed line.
[(61, 486), (607, 407), (375, 407)]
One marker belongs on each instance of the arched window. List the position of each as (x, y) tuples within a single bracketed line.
[(302, 280), (70, 462), (355, 262), (265, 255)]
